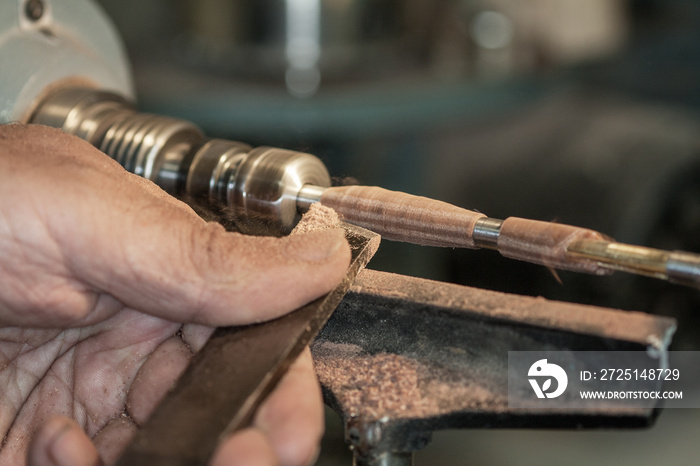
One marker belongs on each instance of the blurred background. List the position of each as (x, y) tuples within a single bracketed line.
[(582, 112)]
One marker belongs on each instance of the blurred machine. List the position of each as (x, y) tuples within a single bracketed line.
[(307, 45)]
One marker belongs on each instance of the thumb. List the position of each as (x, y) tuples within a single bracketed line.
[(209, 276), (61, 442)]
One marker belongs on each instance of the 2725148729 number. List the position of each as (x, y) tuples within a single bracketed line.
[(638, 374)]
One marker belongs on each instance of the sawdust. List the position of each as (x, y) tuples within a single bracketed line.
[(387, 385), (373, 386), (318, 218)]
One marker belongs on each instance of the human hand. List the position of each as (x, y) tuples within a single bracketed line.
[(108, 287)]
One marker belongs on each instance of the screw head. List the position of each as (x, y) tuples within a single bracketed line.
[(34, 10)]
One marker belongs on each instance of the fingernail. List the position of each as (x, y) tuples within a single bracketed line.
[(317, 246), (68, 447), (59, 443)]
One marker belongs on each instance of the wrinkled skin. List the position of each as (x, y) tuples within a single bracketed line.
[(108, 287)]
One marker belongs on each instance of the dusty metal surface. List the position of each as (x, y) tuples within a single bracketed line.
[(402, 357), (228, 379)]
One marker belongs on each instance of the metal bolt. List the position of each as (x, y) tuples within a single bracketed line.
[(34, 9)]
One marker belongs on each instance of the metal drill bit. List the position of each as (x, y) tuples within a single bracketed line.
[(675, 266)]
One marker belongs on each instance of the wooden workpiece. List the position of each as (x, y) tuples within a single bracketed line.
[(546, 243), (403, 217), (419, 220)]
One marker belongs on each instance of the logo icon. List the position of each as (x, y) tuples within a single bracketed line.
[(542, 369)]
